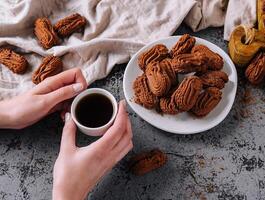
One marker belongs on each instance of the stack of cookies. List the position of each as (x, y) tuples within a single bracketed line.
[(199, 92)]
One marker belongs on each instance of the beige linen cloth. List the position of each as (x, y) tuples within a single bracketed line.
[(116, 30)]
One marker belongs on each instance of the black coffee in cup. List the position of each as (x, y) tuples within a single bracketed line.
[(94, 110)]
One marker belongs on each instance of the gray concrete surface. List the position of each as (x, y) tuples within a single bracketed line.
[(226, 162)]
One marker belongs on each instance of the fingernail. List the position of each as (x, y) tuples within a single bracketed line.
[(67, 116), (78, 87)]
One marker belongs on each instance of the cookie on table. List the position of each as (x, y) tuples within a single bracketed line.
[(146, 162)]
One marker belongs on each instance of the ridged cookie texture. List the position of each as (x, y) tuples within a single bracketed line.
[(187, 93), (168, 106), (142, 93), (69, 24), (187, 63), (45, 33), (13, 61), (166, 65), (146, 162), (158, 80), (184, 45), (155, 54), (50, 66), (213, 79), (215, 61), (207, 101), (159, 87), (255, 72)]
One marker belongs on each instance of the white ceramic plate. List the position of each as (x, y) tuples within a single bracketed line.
[(183, 123)]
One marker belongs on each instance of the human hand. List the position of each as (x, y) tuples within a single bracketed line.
[(78, 170), (43, 99)]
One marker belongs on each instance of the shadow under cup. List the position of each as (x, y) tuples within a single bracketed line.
[(94, 111)]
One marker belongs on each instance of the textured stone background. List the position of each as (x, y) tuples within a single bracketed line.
[(226, 162)]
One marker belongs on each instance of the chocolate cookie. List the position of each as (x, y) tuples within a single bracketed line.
[(146, 162), (184, 45), (166, 65), (70, 24), (168, 106), (213, 79), (207, 101), (155, 54), (255, 72), (187, 63), (215, 61), (187, 93), (13, 61), (142, 93), (158, 80), (45, 33), (50, 66)]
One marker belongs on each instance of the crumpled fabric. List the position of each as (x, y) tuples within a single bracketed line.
[(116, 30)]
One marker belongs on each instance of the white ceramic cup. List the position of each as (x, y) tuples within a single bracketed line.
[(98, 131)]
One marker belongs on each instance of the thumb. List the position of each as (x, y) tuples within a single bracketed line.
[(69, 133), (64, 93)]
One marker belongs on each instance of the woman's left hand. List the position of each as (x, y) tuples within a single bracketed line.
[(43, 99), (78, 169)]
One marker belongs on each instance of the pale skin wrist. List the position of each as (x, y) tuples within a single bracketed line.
[(60, 194), (6, 119), (45, 98), (77, 170)]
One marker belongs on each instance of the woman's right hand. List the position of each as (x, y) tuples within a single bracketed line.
[(78, 170)]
